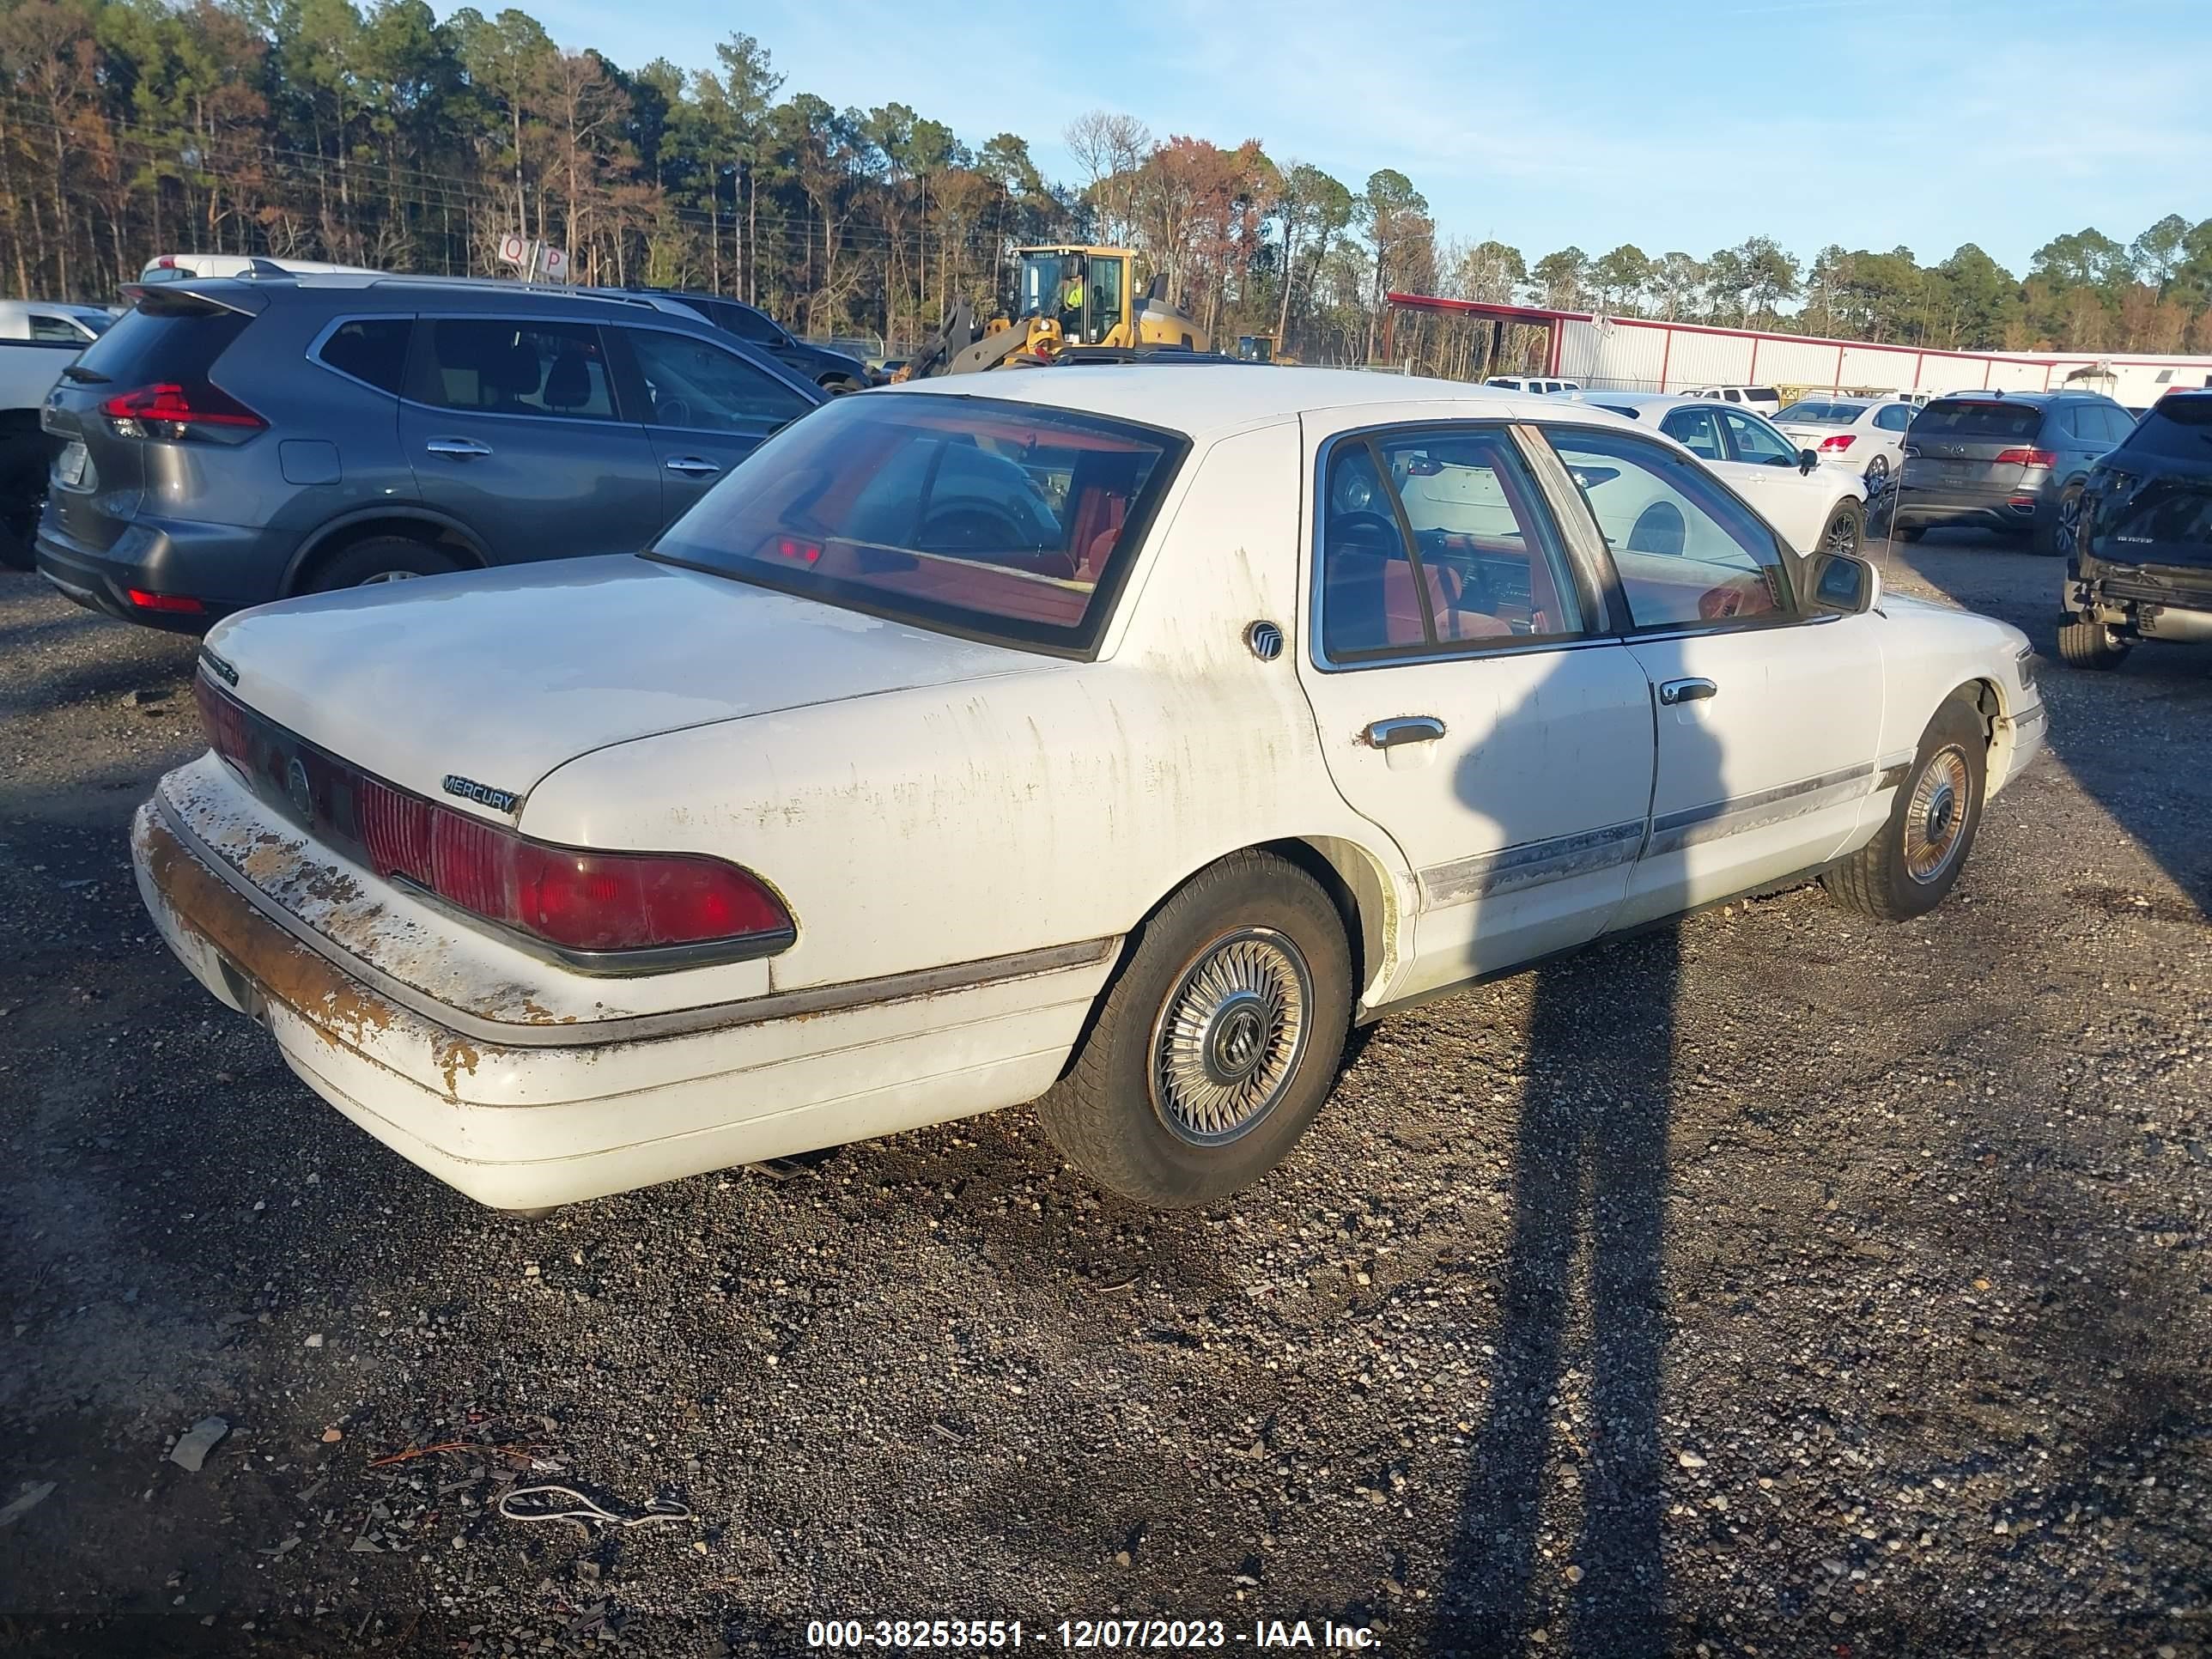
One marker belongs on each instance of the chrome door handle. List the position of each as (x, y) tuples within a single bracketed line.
[(461, 449), (1674, 691), (691, 466), (1409, 728)]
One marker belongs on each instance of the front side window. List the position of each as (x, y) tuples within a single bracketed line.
[(1689, 553), (502, 366), (370, 349), (56, 330), (1006, 519), (695, 384), (1433, 540), (1697, 430), (747, 324), (1105, 297), (1757, 443)]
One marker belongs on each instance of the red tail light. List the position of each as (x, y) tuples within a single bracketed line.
[(181, 605), (1839, 444), (167, 409), (582, 903), (799, 552), (2027, 457)]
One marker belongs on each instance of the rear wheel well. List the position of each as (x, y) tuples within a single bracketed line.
[(446, 541)]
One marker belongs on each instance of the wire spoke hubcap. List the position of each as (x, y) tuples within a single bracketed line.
[(1230, 1037), (1935, 816)]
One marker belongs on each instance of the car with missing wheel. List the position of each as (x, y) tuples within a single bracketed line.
[(2140, 565), (1208, 714)]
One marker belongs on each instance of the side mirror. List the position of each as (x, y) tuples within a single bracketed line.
[(1807, 459), (1845, 583)]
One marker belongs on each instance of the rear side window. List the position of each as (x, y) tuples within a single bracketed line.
[(1435, 539), (1950, 417), (1893, 417), (55, 330), (370, 349), (746, 324), (164, 341), (1003, 520), (501, 366)]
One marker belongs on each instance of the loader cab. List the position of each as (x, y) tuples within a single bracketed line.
[(1256, 348), (1049, 280)]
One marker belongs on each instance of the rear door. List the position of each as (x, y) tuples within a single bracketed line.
[(1761, 466), (704, 409), (513, 427), (1472, 699)]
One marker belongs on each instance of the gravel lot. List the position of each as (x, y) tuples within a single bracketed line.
[(1774, 1285)]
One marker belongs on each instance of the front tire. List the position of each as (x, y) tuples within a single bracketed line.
[(1846, 529), (1217, 1044), (1913, 862), (1908, 532), (2084, 642)]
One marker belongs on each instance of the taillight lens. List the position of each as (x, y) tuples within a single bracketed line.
[(1839, 444), (202, 413), (2027, 457), (583, 901)]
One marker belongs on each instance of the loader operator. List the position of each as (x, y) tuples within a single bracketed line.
[(1071, 307)]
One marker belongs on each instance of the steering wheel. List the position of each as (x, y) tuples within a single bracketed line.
[(1358, 525), (671, 411)]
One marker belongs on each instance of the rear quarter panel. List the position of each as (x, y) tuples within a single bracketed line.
[(957, 823)]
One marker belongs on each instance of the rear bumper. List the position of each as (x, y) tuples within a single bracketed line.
[(223, 567), (2173, 604), (531, 1122)]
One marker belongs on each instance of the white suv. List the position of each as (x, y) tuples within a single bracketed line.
[(1764, 398)]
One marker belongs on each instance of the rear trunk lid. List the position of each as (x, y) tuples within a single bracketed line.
[(1975, 445), (495, 677), (171, 339)]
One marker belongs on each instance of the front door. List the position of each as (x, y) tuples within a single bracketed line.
[(704, 410), (1768, 711), (511, 427), (1469, 699)]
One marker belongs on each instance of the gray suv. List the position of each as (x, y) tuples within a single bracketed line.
[(2012, 462), (234, 441)]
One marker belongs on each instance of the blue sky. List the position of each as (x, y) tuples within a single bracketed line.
[(1670, 123)]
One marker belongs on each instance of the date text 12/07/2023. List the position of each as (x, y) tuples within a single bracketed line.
[(1124, 1635)]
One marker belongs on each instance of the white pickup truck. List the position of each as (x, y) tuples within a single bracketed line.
[(37, 340)]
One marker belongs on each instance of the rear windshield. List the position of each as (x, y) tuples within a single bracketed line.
[(2178, 425), (1976, 418), (977, 516), (1823, 414), (163, 344)]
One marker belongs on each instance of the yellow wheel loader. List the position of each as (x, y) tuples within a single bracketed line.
[(1071, 304)]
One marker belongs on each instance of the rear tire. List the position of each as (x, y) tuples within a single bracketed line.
[(1217, 1043), (380, 559), (2057, 531), (2084, 643), (1914, 861), (1908, 532)]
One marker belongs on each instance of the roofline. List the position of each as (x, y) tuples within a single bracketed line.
[(1547, 314)]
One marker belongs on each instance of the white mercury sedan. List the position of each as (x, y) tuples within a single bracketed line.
[(1113, 739)]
